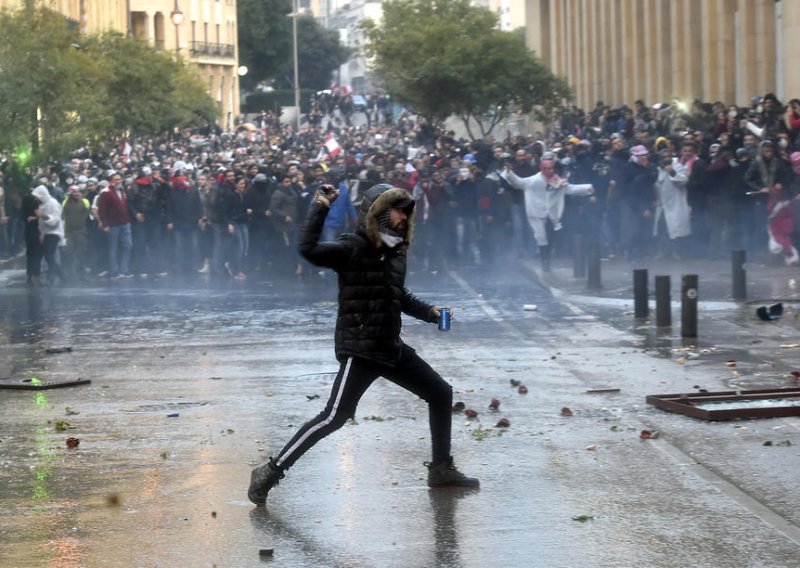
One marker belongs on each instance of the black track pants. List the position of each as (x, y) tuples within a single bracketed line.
[(352, 381)]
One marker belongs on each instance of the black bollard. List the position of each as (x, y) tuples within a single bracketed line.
[(663, 305), (689, 296), (640, 307), (593, 265), (738, 259), (578, 257)]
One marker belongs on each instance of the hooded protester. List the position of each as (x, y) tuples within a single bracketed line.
[(544, 200), (371, 268), (51, 230)]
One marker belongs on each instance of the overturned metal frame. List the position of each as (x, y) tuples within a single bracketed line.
[(686, 403), (40, 384)]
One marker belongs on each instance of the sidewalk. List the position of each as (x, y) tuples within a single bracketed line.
[(765, 283)]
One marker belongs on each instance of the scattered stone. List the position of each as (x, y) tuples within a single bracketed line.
[(73, 442), (583, 518), (62, 425), (503, 423), (592, 447), (515, 382), (470, 413), (522, 389), (459, 406), (266, 552), (730, 363), (114, 500), (173, 415), (566, 412), (648, 434), (530, 307), (494, 404), (213, 514)]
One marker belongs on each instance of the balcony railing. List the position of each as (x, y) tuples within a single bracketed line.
[(212, 49)]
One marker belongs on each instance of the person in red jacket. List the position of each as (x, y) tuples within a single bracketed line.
[(114, 218)]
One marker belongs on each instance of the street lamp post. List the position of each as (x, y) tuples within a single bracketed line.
[(177, 19), (296, 71)]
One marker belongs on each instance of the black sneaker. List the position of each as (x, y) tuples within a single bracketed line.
[(262, 479), (445, 474)]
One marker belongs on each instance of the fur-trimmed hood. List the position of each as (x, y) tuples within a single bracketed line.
[(378, 199)]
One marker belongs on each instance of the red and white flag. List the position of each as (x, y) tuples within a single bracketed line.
[(331, 146), (126, 149)]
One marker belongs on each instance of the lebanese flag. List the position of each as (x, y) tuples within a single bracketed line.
[(126, 149), (331, 146)]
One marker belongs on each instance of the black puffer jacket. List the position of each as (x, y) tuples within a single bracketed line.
[(372, 292)]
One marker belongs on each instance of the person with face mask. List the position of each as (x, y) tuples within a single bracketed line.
[(371, 267), (544, 201)]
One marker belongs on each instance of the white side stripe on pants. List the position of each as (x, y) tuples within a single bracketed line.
[(328, 419)]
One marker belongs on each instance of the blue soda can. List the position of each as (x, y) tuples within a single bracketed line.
[(444, 319)]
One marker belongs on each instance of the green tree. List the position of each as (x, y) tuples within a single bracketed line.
[(319, 54), (265, 39), (149, 91), (50, 89), (444, 58), (266, 46), (60, 90)]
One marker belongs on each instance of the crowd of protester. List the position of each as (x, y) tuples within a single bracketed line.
[(664, 180)]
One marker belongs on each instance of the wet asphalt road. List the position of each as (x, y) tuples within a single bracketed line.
[(242, 366)]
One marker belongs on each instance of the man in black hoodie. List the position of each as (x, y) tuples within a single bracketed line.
[(147, 202), (371, 268)]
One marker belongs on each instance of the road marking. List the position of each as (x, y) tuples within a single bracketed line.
[(730, 490), (485, 306)]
